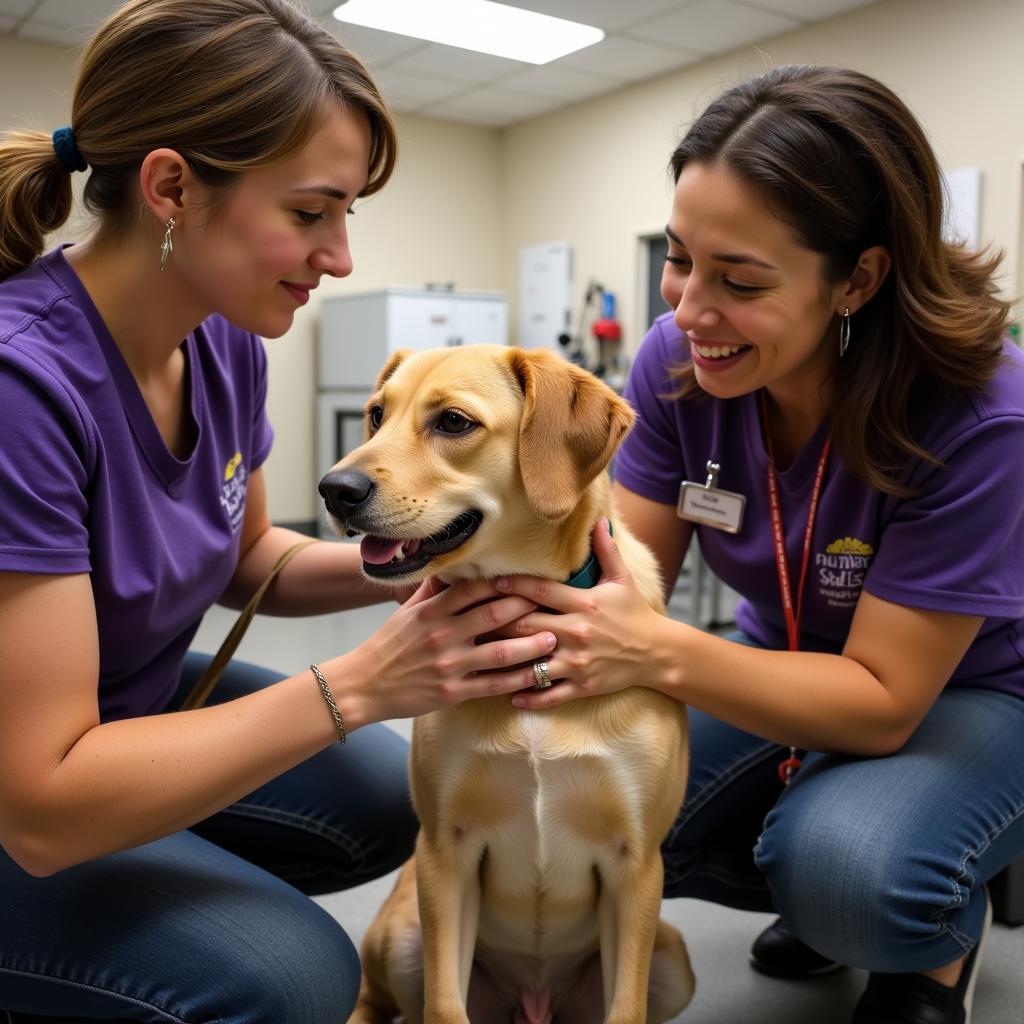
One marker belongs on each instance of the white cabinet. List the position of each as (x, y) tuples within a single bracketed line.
[(339, 425), (359, 333)]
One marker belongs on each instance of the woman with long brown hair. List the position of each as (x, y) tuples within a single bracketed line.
[(833, 407), (145, 852)]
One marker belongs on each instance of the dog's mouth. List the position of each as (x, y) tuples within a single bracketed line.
[(389, 558)]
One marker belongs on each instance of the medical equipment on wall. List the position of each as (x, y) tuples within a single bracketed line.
[(595, 344)]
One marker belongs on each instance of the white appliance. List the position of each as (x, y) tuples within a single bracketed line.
[(545, 294), (359, 333)]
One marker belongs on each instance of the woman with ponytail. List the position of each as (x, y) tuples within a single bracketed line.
[(834, 407), (155, 863)]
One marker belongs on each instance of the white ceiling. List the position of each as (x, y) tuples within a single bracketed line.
[(643, 38)]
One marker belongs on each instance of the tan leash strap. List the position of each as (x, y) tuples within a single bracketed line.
[(209, 679)]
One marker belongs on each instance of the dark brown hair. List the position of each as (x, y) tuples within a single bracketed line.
[(229, 84), (842, 160)]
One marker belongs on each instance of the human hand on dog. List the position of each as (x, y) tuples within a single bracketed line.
[(606, 635), (402, 593), (425, 656)]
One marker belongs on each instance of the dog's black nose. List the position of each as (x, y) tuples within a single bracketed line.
[(345, 492)]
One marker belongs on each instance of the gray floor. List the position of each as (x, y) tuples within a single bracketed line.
[(728, 991)]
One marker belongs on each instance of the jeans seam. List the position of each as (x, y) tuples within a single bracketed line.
[(966, 942), (172, 1018), (301, 821)]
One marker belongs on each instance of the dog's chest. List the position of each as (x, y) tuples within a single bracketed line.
[(548, 806)]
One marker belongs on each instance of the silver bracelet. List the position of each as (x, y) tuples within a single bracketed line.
[(329, 697)]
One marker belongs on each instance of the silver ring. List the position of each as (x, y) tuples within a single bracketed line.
[(540, 673)]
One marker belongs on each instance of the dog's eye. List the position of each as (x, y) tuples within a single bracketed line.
[(453, 422), (376, 415)]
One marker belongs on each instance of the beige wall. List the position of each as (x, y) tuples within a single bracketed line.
[(465, 199), (596, 173), (35, 83)]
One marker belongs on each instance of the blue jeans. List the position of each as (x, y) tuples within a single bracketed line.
[(877, 862), (215, 923)]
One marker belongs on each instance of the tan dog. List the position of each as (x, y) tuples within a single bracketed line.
[(537, 882)]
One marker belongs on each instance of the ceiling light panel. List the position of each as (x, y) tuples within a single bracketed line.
[(480, 25)]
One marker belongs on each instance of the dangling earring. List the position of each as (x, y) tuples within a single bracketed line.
[(844, 332), (167, 245)]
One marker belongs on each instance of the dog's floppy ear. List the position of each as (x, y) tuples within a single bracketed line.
[(572, 423), (390, 366)]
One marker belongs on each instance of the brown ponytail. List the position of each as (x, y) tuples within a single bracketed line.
[(230, 84), (35, 197)]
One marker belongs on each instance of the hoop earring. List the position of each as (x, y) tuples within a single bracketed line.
[(167, 245), (844, 332)]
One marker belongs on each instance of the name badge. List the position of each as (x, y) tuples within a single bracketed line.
[(709, 505)]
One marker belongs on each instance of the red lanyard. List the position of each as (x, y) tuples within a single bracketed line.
[(791, 610)]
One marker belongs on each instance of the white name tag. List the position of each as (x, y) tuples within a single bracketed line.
[(710, 506)]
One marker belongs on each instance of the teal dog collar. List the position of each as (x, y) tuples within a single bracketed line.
[(589, 573)]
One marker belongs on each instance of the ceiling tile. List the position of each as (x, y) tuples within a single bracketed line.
[(493, 106), (15, 7), (714, 26), (558, 84), (453, 62), (607, 14), (370, 44), (812, 10), (483, 118), (77, 13), (410, 92), (46, 32), (627, 59), (647, 38)]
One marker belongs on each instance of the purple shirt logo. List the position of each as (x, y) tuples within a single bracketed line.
[(232, 493), (841, 571)]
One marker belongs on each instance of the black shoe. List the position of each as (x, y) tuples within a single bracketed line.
[(915, 999), (778, 952)]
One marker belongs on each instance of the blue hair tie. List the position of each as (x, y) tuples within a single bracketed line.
[(66, 150)]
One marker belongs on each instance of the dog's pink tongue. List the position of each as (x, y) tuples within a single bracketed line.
[(536, 1008), (379, 550)]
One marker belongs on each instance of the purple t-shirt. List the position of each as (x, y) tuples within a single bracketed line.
[(956, 546), (89, 486)]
